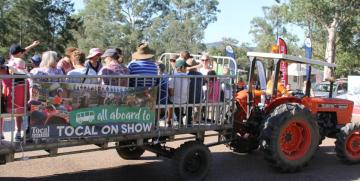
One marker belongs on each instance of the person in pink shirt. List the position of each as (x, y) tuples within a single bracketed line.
[(65, 63), (214, 88), (213, 95)]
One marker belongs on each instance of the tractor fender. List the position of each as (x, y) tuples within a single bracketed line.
[(281, 100)]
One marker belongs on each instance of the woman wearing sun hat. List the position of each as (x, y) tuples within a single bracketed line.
[(143, 64), (94, 61)]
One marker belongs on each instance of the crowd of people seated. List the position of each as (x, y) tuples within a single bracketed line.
[(179, 86)]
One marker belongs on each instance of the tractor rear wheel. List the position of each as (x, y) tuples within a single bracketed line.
[(290, 137), (347, 145)]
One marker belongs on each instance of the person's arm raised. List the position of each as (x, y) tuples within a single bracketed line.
[(33, 45)]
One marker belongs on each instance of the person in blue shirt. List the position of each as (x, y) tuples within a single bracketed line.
[(143, 64)]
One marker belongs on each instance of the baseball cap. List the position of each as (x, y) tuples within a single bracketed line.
[(36, 59), (162, 66), (109, 53), (180, 62), (15, 49)]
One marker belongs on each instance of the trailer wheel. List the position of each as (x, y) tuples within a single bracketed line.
[(2, 159), (129, 153), (347, 145), (290, 137), (244, 144), (192, 160)]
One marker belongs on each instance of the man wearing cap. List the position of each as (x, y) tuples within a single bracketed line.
[(16, 51), (112, 67), (16, 55), (94, 61), (143, 64), (179, 89)]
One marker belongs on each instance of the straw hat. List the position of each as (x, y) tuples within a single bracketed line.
[(143, 52)]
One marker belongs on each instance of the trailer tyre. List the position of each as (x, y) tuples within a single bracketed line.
[(192, 160), (347, 145), (129, 153), (290, 137), (2, 159), (244, 144)]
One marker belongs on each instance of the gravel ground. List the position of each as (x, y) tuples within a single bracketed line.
[(107, 165)]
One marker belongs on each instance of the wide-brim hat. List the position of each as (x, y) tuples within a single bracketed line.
[(143, 52), (94, 52)]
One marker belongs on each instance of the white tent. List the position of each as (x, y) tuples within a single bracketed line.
[(296, 69), (297, 72)]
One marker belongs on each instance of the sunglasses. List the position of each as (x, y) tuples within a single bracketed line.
[(172, 60)]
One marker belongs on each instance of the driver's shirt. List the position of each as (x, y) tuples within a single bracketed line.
[(281, 90)]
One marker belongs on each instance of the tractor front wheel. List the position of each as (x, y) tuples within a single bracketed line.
[(290, 137), (347, 145)]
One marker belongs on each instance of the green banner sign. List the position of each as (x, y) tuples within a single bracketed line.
[(81, 110), (111, 114)]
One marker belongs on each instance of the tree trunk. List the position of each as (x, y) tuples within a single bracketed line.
[(331, 46)]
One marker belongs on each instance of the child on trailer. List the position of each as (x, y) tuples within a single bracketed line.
[(178, 90)]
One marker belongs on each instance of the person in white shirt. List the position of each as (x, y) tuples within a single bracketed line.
[(178, 89), (78, 61)]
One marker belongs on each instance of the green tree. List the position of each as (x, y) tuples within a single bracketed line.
[(29, 20), (266, 29), (239, 51), (331, 17), (183, 25), (117, 23), (168, 25)]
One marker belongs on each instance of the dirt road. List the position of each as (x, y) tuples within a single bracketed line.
[(107, 165)]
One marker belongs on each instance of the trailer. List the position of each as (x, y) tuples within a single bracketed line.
[(288, 129), (132, 117)]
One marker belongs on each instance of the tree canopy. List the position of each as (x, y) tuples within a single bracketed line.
[(175, 25), (23, 21), (168, 25)]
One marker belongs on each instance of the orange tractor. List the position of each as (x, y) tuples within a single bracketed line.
[(289, 128)]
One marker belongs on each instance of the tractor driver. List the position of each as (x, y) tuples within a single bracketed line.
[(281, 89)]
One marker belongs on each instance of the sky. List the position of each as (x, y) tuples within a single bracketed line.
[(233, 21)]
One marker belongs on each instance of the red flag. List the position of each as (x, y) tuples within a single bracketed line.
[(283, 65)]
